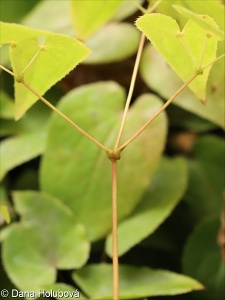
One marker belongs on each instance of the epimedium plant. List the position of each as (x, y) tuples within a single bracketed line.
[(75, 176)]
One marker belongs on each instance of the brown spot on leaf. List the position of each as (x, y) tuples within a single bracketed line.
[(213, 89)]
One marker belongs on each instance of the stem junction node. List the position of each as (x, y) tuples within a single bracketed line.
[(113, 154)]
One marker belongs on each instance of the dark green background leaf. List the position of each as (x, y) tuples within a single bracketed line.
[(203, 260)]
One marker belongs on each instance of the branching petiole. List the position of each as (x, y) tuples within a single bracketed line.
[(212, 62), (188, 51), (158, 112), (65, 117), (32, 60), (203, 51), (131, 89)]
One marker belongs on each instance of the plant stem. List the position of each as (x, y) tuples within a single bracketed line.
[(131, 89), (7, 70), (188, 51), (212, 62), (32, 60), (157, 113), (114, 232), (203, 51), (65, 117)]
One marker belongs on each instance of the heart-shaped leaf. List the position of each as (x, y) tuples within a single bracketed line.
[(84, 182), (159, 77), (20, 244), (88, 16), (96, 281), (204, 21), (45, 237), (195, 47), (157, 203), (40, 58)]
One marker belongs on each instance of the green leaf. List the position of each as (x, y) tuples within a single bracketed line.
[(206, 178), (48, 238), (202, 259), (16, 10), (204, 21), (5, 213), (96, 282), (170, 41), (84, 182), (23, 256), (6, 106), (59, 20), (156, 205), (160, 78), (41, 58), (213, 8), (123, 42), (58, 234), (88, 16), (12, 33), (20, 149), (35, 119)]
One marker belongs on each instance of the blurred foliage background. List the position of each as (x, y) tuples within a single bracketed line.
[(171, 180)]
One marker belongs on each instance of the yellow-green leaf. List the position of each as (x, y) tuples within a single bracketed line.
[(40, 58), (206, 22), (185, 51)]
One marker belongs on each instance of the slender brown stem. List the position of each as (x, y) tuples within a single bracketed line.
[(157, 113), (131, 89), (65, 117), (114, 232), (7, 70), (212, 62)]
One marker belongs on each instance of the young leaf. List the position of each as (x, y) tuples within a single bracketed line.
[(203, 260), (19, 149), (12, 33), (204, 21), (88, 16), (160, 78), (157, 203), (41, 58), (86, 170), (96, 282), (185, 51)]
